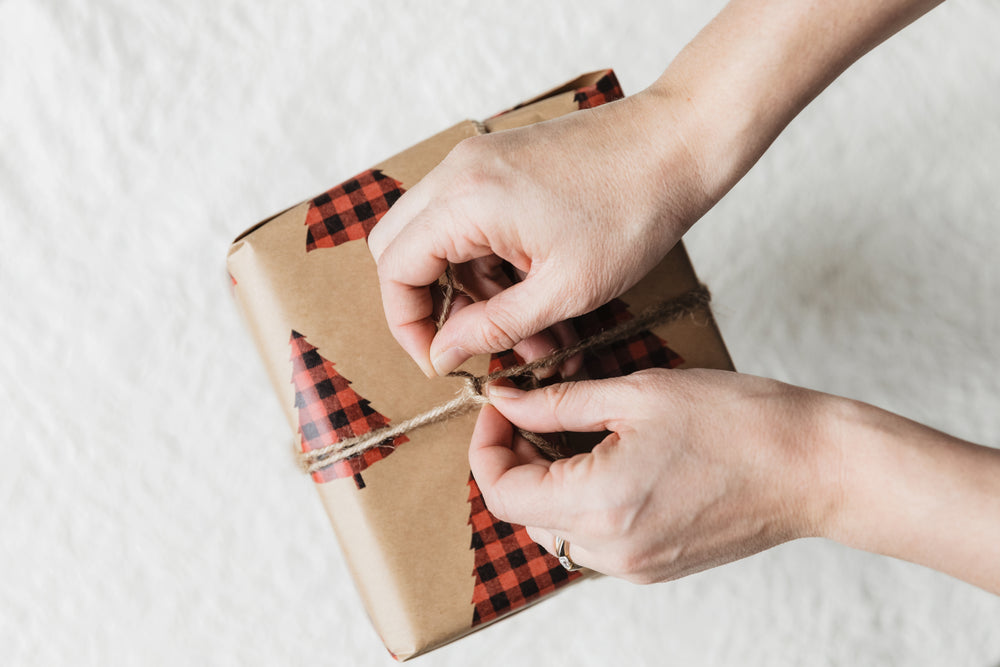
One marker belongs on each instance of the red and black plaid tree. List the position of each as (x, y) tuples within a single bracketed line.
[(330, 411), (639, 352), (348, 211), (605, 90), (510, 569)]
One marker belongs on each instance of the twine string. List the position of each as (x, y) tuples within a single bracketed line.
[(473, 391)]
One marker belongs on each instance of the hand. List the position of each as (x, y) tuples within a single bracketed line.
[(582, 206), (705, 467), (701, 468)]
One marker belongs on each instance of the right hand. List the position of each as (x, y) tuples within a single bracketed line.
[(699, 468), (582, 206)]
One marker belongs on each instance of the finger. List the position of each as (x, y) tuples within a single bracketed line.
[(514, 490), (592, 405), (525, 451), (398, 216), (499, 323), (407, 312), (538, 346), (411, 262), (528, 453), (565, 336), (543, 538), (458, 302), (485, 278)]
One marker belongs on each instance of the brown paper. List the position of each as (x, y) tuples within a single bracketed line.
[(405, 519)]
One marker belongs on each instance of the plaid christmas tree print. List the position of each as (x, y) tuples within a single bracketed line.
[(605, 90), (330, 411), (511, 570), (639, 352), (348, 211)]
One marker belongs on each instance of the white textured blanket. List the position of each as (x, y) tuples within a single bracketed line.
[(138, 137)]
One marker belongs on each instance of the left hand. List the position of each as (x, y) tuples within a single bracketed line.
[(700, 468)]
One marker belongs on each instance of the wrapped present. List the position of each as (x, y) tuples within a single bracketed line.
[(429, 560)]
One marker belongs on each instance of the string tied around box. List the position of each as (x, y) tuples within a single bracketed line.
[(474, 390)]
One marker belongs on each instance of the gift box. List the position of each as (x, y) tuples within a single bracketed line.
[(429, 560)]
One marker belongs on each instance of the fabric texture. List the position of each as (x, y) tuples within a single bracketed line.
[(137, 138)]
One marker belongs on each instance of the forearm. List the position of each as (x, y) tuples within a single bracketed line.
[(908, 491), (750, 71)]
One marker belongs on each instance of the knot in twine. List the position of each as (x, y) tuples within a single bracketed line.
[(473, 391)]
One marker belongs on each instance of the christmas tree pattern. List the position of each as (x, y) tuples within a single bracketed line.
[(605, 90), (639, 352), (349, 211), (511, 570), (330, 411)]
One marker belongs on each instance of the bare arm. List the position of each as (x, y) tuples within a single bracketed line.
[(705, 467), (605, 193), (701, 467), (914, 493), (750, 71)]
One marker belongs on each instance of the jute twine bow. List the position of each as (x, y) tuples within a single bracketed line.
[(473, 391)]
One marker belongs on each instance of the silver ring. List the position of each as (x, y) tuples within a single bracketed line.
[(562, 553)]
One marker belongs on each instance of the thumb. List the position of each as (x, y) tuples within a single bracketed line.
[(499, 323), (591, 405)]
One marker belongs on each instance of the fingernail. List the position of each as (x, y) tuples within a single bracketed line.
[(503, 391), (449, 360)]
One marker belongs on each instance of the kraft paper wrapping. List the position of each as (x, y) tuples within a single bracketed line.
[(429, 561)]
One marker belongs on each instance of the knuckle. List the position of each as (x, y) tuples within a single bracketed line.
[(646, 389), (469, 187), (630, 565), (375, 244), (614, 523), (560, 397), (618, 521), (641, 578), (648, 379), (576, 398), (476, 165), (467, 151), (443, 230), (499, 330)]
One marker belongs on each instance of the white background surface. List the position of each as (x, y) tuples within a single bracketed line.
[(150, 512)]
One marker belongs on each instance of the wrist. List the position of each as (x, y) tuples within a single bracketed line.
[(750, 71), (907, 491), (812, 425), (722, 140), (656, 167)]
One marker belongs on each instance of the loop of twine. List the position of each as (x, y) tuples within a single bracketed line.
[(472, 393)]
